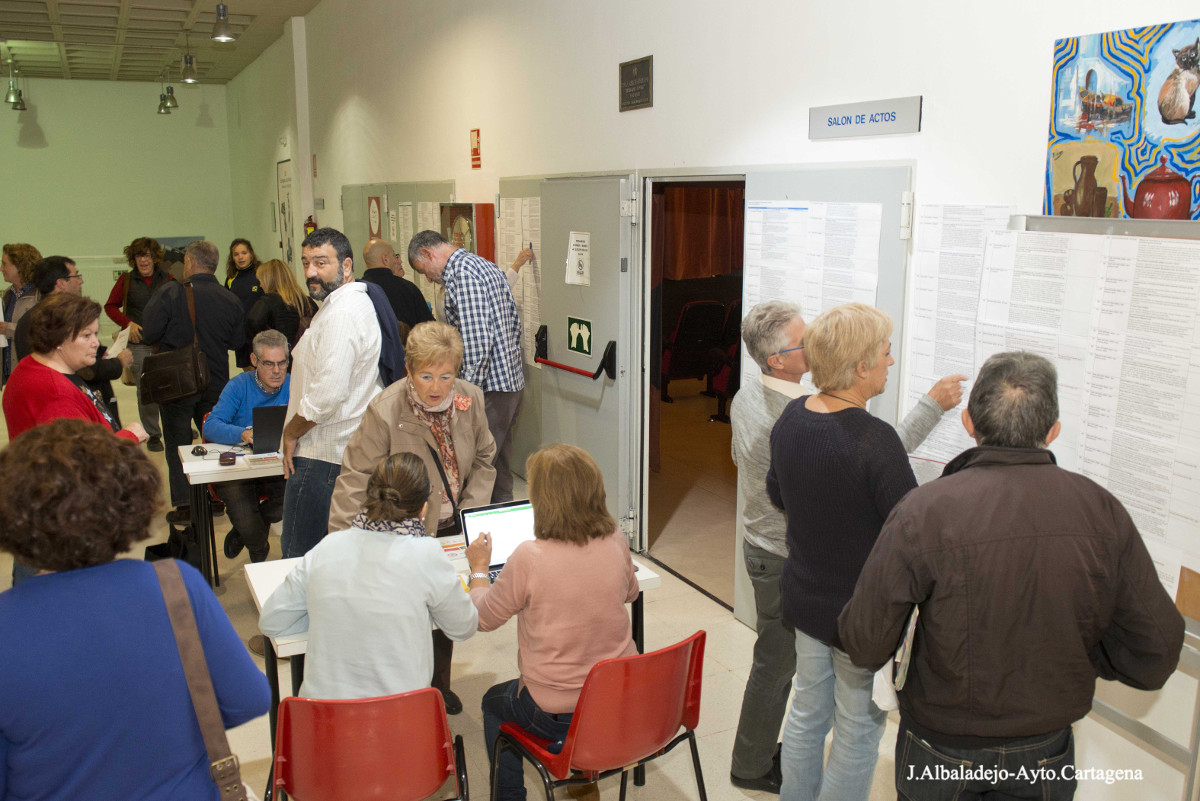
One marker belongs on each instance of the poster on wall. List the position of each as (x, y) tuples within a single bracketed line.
[(375, 217), (1124, 135), (283, 187)]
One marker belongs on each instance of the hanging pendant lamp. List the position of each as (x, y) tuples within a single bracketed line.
[(11, 97), (222, 30), (20, 104)]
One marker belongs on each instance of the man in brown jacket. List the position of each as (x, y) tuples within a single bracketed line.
[(1031, 581)]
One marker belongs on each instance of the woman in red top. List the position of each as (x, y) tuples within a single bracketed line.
[(43, 386)]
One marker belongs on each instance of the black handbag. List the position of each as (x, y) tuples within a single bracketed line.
[(176, 374)]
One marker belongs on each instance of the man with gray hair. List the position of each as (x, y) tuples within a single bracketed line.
[(220, 328), (773, 332), (255, 503), (1031, 581)]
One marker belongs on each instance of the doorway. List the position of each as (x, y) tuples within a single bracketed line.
[(695, 259)]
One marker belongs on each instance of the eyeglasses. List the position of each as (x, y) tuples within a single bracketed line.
[(75, 275), (789, 350), (272, 365)]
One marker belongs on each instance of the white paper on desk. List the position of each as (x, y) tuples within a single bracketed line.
[(3, 339), (121, 342)]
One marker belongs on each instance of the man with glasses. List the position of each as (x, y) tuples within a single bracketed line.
[(255, 503), (774, 332)]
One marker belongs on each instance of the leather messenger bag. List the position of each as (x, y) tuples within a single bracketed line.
[(176, 374)]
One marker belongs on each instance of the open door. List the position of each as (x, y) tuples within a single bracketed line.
[(590, 220)]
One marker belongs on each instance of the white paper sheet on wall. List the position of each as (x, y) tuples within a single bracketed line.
[(521, 227), (946, 272), (815, 254), (427, 216)]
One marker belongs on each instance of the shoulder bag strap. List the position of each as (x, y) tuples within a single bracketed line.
[(224, 767), (437, 460), (191, 299), (125, 299)]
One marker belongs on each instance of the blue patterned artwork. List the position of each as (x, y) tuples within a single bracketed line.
[(1124, 131)]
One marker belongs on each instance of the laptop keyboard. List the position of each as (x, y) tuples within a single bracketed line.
[(494, 574)]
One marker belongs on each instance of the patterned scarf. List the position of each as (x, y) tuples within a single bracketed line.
[(412, 526), (439, 423)]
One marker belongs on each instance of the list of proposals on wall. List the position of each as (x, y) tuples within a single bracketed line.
[(813, 253), (1118, 317), (943, 307), (521, 227)]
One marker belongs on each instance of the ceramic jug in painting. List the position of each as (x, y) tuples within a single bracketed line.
[(1162, 195), (1085, 185)]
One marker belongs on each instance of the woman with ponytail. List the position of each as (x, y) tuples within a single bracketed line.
[(366, 595)]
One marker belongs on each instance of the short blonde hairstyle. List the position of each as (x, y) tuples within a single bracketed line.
[(841, 339), (432, 343), (566, 489)]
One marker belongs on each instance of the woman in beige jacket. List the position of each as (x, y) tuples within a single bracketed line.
[(441, 419)]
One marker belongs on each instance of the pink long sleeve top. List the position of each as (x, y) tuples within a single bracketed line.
[(570, 606)]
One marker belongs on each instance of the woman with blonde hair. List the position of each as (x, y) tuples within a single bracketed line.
[(17, 261), (441, 419), (283, 306), (836, 471), (366, 595), (568, 589)]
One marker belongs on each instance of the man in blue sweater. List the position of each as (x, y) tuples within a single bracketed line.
[(255, 503)]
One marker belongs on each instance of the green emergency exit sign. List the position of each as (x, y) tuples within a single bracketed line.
[(579, 336)]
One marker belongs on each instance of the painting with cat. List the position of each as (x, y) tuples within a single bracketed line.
[(1124, 132)]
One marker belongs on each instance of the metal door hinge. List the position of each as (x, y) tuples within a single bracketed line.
[(629, 527)]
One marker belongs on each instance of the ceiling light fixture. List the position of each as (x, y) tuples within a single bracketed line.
[(163, 108), (11, 97), (189, 62), (171, 101), (222, 30), (20, 104)]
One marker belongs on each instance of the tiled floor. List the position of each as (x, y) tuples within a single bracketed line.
[(672, 611), (693, 499)]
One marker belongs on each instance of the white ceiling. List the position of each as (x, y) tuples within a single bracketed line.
[(134, 40)]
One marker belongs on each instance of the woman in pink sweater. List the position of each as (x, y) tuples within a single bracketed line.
[(568, 589)]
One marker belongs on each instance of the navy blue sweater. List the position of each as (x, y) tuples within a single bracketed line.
[(837, 476)]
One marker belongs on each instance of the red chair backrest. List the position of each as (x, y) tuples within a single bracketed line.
[(631, 707), (398, 747)]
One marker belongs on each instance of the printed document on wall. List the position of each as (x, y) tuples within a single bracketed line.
[(815, 254), (521, 227), (946, 273)]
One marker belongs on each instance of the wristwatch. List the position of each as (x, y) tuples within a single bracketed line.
[(479, 575)]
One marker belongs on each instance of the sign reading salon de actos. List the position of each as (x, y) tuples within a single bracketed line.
[(899, 115)]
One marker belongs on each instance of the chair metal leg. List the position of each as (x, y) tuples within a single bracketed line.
[(624, 782), (460, 768), (696, 765)]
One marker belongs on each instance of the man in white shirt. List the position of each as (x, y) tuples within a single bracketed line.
[(335, 374)]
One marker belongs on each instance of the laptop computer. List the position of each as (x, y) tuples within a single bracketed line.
[(508, 524), (268, 428)]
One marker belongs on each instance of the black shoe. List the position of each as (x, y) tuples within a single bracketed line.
[(154, 444), (233, 544), (453, 705), (262, 556), (769, 783), (182, 514)]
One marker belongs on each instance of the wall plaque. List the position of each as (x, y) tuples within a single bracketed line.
[(899, 115), (636, 84)]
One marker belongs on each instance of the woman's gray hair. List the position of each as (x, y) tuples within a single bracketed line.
[(841, 339), (764, 330), (1014, 402), (269, 339)]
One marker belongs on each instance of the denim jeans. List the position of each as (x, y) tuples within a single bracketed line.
[(306, 498), (1041, 767), (830, 692), (765, 699), (251, 517), (503, 704), (177, 419)]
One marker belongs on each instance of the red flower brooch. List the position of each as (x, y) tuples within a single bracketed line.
[(462, 403)]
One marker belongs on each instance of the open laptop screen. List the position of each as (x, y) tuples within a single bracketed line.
[(509, 524)]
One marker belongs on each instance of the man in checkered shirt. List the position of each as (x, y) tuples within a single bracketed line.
[(480, 305)]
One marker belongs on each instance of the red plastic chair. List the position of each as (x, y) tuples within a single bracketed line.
[(397, 747), (629, 712)]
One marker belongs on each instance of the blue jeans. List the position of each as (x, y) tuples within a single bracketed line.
[(765, 699), (306, 498), (830, 692), (1041, 767), (503, 704)]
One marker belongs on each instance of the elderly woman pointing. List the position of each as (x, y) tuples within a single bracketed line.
[(836, 471), (441, 419)]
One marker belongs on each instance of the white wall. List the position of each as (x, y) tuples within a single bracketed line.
[(396, 85), (262, 131), (90, 166)]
